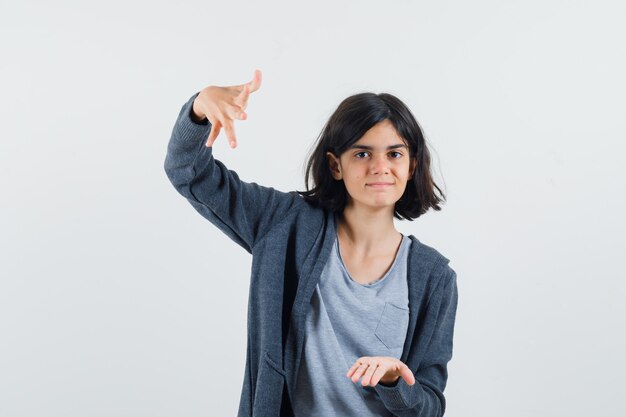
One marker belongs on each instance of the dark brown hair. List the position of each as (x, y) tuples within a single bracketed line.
[(353, 117)]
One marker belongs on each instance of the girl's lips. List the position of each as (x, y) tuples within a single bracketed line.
[(380, 184)]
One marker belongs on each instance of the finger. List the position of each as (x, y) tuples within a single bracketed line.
[(235, 112), (352, 369), (230, 132), (407, 375), (215, 130), (242, 98), (368, 374), (356, 365), (378, 375), (359, 372)]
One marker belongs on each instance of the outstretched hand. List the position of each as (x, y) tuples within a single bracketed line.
[(223, 105), (375, 369)]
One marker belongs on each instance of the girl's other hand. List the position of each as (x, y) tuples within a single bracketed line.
[(375, 369), (222, 105)]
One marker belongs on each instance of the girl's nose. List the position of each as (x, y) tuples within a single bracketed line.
[(379, 165)]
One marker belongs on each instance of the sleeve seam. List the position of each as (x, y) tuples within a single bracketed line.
[(441, 260), (267, 232)]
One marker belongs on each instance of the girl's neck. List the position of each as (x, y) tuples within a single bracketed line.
[(368, 232)]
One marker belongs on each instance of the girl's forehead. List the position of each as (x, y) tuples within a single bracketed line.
[(380, 136)]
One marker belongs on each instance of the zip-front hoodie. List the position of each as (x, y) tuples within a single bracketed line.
[(290, 241)]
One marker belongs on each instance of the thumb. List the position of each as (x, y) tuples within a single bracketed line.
[(407, 375), (255, 84)]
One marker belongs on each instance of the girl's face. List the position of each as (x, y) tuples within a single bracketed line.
[(375, 169)]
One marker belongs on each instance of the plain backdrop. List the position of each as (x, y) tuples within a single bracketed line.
[(118, 299)]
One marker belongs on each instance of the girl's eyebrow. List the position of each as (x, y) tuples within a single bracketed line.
[(369, 148)]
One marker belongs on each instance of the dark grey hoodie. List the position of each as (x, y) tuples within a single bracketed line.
[(290, 241)]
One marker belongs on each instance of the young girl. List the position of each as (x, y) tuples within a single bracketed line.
[(337, 294)]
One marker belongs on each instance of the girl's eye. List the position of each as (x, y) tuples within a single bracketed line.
[(394, 155)]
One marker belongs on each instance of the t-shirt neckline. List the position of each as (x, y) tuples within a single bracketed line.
[(345, 269)]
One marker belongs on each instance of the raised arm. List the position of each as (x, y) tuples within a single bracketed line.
[(244, 211)]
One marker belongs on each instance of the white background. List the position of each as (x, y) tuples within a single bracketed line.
[(118, 299)]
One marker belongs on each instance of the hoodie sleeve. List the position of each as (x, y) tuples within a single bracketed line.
[(425, 398), (244, 211)]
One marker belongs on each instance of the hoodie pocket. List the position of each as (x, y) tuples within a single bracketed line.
[(269, 388)]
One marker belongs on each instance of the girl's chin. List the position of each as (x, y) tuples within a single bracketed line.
[(374, 203)]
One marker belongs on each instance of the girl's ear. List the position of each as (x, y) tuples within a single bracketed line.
[(334, 166), (412, 167)]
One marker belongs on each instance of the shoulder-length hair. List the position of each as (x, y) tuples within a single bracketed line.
[(353, 117)]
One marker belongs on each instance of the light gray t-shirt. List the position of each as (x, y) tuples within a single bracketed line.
[(347, 320)]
